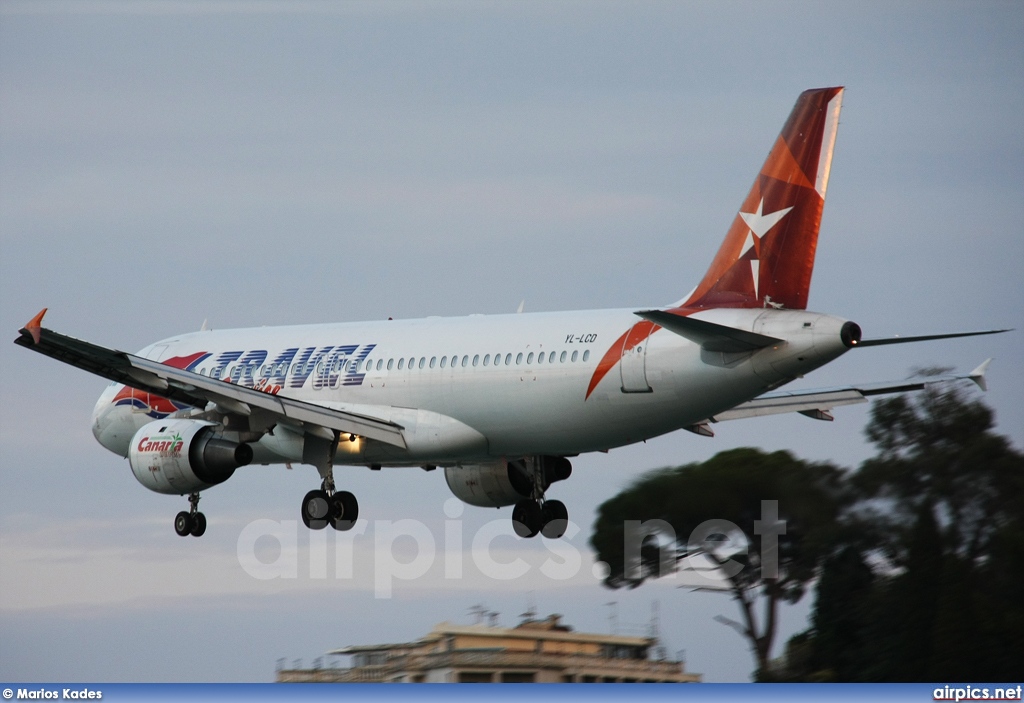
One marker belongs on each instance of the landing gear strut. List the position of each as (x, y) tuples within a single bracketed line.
[(535, 514), (192, 522)]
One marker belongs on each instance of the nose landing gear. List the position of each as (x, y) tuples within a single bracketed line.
[(192, 522)]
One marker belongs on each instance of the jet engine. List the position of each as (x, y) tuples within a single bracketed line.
[(184, 456), (504, 482)]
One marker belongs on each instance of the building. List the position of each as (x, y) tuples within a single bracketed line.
[(535, 651)]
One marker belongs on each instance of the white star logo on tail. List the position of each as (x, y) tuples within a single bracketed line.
[(759, 224)]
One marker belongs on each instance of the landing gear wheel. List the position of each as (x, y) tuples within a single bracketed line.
[(344, 511), (183, 524), (198, 525), (556, 519), (527, 518), (316, 510)]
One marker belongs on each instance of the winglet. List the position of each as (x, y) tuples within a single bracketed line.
[(978, 375), (34, 325)]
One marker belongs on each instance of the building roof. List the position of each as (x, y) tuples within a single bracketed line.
[(549, 629)]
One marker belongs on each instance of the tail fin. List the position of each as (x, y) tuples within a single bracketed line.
[(768, 255)]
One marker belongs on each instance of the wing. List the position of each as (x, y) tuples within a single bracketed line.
[(817, 402), (200, 391)]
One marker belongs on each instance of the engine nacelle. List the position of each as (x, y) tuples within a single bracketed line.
[(184, 456), (504, 482)]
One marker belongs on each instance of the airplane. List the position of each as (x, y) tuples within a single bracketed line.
[(500, 402)]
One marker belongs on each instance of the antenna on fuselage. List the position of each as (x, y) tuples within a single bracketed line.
[(522, 304)]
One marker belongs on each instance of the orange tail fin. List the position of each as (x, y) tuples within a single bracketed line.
[(768, 255)]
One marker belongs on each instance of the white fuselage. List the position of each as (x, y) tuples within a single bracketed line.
[(561, 387)]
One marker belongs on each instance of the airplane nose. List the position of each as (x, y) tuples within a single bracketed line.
[(109, 425)]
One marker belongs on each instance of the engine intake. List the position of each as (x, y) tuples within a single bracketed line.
[(184, 456)]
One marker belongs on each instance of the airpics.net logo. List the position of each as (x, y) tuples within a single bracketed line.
[(977, 693), (406, 550)]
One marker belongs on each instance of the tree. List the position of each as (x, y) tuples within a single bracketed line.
[(784, 510), (939, 515)]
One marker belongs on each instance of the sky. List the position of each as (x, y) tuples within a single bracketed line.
[(258, 163)]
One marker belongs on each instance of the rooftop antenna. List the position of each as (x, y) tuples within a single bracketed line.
[(531, 609), (478, 612), (659, 648), (613, 616)]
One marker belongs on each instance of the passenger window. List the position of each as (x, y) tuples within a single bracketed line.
[(586, 355), (423, 361), (574, 355), (487, 359), (444, 361), (508, 360), (561, 359), (476, 359), (519, 358), (412, 362), (391, 362), (401, 363), (380, 363), (540, 358), (551, 358), (465, 361), (433, 361), (529, 358)]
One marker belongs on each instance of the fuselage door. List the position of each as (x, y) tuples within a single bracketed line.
[(633, 362)]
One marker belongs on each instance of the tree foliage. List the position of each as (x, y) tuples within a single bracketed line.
[(939, 515), (731, 486), (918, 555)]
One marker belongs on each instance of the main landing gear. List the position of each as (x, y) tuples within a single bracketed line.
[(548, 517), (535, 514), (326, 506), (192, 522)]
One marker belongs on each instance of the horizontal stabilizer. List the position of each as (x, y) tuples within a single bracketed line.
[(710, 336), (925, 338)]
